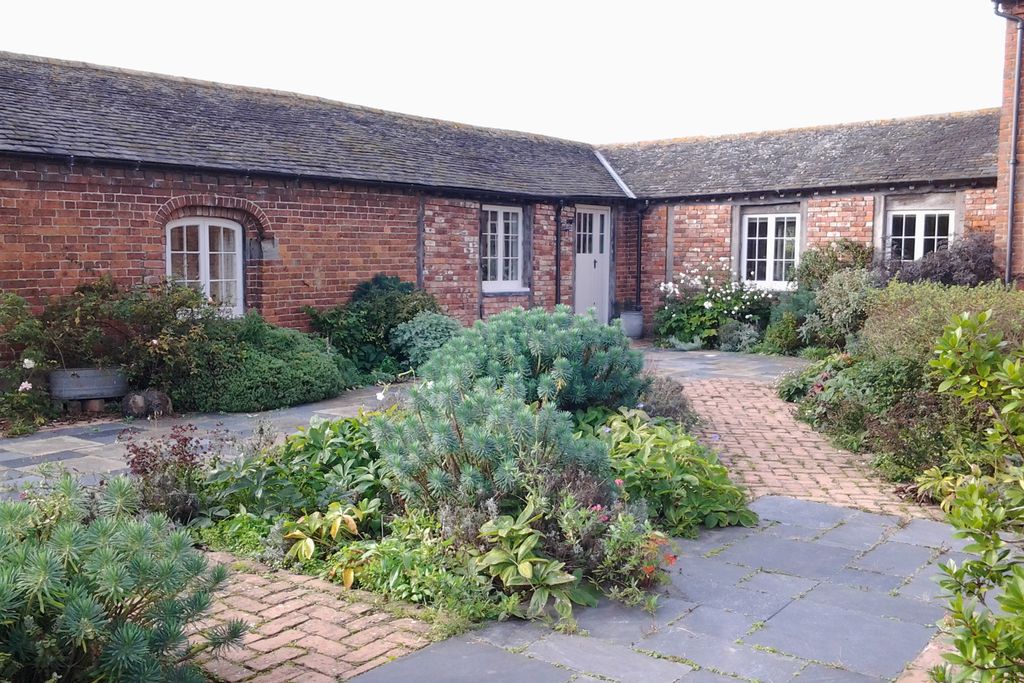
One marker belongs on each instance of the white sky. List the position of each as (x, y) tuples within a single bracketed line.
[(595, 71)]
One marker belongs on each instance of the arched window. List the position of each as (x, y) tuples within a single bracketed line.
[(206, 253)]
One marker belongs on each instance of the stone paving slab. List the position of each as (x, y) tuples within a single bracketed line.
[(748, 605)]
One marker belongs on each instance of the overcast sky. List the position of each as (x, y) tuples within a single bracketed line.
[(589, 70)]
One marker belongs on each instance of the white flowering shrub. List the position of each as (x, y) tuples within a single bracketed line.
[(701, 299)]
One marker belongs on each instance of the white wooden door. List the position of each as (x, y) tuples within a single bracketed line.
[(593, 247)]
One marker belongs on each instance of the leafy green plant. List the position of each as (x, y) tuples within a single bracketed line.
[(782, 336), (415, 340), (698, 302), (242, 534), (734, 335), (682, 483), (905, 319), (93, 592), (463, 446), (818, 264), (842, 306), (320, 531), (573, 361), (515, 563), (361, 330), (986, 503)]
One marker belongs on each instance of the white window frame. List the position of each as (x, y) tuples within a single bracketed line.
[(204, 256), (919, 236), (769, 282), (502, 285)]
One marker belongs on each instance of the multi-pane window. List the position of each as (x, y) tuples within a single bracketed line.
[(912, 234), (501, 249), (590, 232), (770, 248), (206, 253)]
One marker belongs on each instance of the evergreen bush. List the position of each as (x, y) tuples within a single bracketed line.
[(574, 361), (415, 340), (842, 305), (90, 592)]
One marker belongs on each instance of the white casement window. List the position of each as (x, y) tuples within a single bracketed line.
[(501, 249), (770, 252), (912, 234), (206, 253)]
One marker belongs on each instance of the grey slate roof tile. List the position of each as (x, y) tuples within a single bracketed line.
[(63, 108), (945, 147), (69, 108)]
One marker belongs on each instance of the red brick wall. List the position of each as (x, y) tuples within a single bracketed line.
[(981, 211), (1003, 169), (703, 235), (835, 217), (625, 259), (61, 226), (653, 260)]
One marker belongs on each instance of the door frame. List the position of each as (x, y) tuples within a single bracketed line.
[(609, 252)]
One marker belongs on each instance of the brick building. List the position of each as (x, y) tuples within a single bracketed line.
[(274, 201)]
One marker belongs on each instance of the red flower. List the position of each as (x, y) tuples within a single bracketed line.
[(670, 559), (649, 569)]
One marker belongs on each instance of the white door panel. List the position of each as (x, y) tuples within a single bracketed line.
[(593, 250)]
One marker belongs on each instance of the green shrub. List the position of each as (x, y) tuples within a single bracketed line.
[(329, 461), (572, 360), (248, 365), (734, 335), (415, 340), (842, 305), (986, 504), (843, 399), (819, 264), (462, 447), (782, 336), (700, 301), (905, 319), (800, 303), (361, 329), (242, 534), (665, 397), (795, 386), (682, 483), (92, 592)]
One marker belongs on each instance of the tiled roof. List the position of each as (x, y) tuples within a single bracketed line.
[(68, 108), (947, 147)]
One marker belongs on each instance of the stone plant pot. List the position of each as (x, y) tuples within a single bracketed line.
[(74, 384), (632, 323)]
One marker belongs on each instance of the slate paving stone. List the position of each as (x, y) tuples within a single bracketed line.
[(45, 446), (599, 657), (779, 584), (871, 645), (756, 604), (855, 534), (798, 558), (510, 635), (31, 460), (931, 534), (711, 541), (898, 559), (723, 656), (861, 578), (800, 512), (705, 676), (460, 661), (791, 531), (880, 604), (716, 622), (615, 622), (712, 571), (925, 586), (816, 673)]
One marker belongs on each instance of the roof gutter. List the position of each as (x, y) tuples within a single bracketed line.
[(615, 176), (1014, 132)]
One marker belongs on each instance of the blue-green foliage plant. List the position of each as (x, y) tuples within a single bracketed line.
[(572, 361), (464, 441), (417, 339), (92, 591)]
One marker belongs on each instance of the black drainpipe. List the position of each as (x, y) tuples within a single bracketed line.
[(1014, 127), (558, 252)]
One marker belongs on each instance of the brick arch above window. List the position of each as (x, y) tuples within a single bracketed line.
[(242, 211)]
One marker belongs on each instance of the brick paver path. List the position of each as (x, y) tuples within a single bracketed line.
[(304, 629), (770, 452)]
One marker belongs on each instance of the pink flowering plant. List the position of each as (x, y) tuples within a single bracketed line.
[(701, 299)]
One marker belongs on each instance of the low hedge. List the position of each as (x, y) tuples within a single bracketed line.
[(904, 320)]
